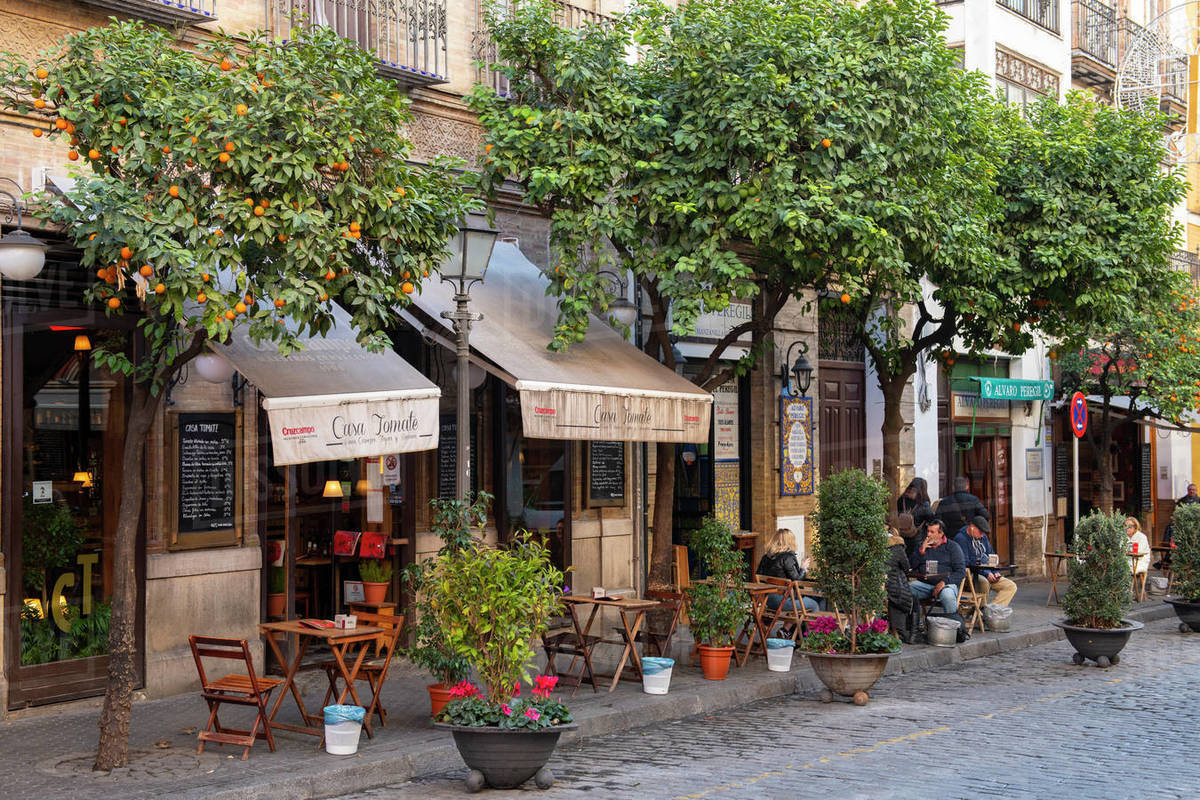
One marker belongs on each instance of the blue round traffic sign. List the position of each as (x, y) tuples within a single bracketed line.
[(1078, 414)]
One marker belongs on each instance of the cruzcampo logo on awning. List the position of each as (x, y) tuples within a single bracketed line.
[(1014, 389)]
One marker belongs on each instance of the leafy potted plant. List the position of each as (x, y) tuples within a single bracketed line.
[(1100, 592), (717, 605), (51, 536), (453, 521), (491, 603), (1185, 566), (850, 554), (376, 574), (276, 593)]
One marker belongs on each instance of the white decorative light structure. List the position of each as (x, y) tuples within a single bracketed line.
[(21, 255), (213, 368)]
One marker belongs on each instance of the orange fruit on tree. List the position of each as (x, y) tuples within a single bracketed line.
[(249, 299), (37, 133), (355, 234), (126, 253), (102, 273), (120, 121), (242, 109), (202, 297), (92, 237), (230, 147), (39, 103), (330, 275), (406, 274), (406, 287), (115, 149), (354, 226), (259, 211), (223, 157), (204, 276), (226, 65), (160, 288), (146, 270), (173, 191), (264, 203), (229, 315), (195, 139), (60, 123), (487, 148), (826, 143), (73, 155), (114, 302), (166, 150), (70, 126), (240, 307), (41, 73), (282, 238), (323, 297), (279, 303), (845, 297)]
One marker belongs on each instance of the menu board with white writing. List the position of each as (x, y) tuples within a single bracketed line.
[(606, 473), (207, 472)]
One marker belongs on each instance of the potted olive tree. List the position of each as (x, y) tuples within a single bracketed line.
[(850, 554), (491, 603), (1185, 566), (1101, 591), (719, 604), (454, 522)]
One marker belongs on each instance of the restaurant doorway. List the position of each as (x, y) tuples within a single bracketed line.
[(63, 430), (985, 462)]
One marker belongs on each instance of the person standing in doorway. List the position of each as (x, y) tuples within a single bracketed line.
[(914, 501), (960, 507)]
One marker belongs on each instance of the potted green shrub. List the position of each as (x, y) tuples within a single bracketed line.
[(850, 554), (1185, 566), (276, 593), (454, 522), (719, 604), (1101, 591), (491, 603), (376, 574), (51, 536)]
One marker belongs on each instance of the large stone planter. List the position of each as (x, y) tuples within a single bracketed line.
[(1102, 645), (505, 759), (1188, 612), (849, 675)]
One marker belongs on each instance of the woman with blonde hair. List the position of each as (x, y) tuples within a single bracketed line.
[(1139, 544), (779, 561)]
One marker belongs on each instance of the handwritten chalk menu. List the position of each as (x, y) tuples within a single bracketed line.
[(207, 472), (606, 473), (1145, 476), (448, 457), (1062, 471)]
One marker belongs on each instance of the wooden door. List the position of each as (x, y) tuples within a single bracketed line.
[(986, 465), (843, 418)]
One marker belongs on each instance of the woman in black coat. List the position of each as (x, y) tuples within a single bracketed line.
[(779, 561), (899, 596), (914, 501)]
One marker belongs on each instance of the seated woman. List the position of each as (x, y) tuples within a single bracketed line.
[(779, 561), (1138, 542), (900, 602)]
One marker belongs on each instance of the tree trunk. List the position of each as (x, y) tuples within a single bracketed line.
[(1100, 446), (113, 749), (664, 517), (892, 388)]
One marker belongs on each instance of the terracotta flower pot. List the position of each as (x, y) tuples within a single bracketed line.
[(439, 695), (714, 661), (276, 604), (374, 592), (849, 675)]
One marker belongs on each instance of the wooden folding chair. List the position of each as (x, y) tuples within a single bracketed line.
[(970, 603), (564, 641), (811, 589), (659, 627), (239, 689), (793, 616), (373, 672)]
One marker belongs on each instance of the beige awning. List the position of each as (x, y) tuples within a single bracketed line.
[(333, 399), (602, 388)]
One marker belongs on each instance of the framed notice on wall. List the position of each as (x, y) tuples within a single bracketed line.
[(206, 494), (795, 446), (606, 473)]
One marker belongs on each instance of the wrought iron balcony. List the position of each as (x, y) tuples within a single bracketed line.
[(1039, 12), (567, 15), (407, 36), (1093, 42), (1189, 262), (164, 12)]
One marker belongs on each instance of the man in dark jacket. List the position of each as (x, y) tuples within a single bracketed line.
[(949, 558), (960, 507)]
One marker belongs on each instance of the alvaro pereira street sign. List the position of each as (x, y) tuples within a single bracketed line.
[(1014, 389)]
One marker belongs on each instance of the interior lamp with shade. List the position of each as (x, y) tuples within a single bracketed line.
[(82, 343), (83, 478), (333, 489)]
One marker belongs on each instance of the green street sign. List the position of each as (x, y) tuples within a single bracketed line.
[(1014, 389)]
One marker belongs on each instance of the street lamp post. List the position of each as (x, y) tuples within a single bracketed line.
[(798, 377), (470, 250), (21, 255)]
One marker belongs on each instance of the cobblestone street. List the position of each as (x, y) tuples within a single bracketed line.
[(1025, 724)]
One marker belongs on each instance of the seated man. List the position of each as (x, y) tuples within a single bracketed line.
[(949, 558), (976, 547)]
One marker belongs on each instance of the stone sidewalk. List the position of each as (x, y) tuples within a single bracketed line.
[(49, 752)]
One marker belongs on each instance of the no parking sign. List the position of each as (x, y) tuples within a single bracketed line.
[(1078, 415)]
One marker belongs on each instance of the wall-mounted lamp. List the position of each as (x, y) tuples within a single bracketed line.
[(21, 255), (796, 379)]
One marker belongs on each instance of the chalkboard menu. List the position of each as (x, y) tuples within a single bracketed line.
[(1062, 471), (207, 447), (606, 474), (1145, 476), (448, 457)]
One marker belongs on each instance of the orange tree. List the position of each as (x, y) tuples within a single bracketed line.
[(1150, 355), (248, 183)]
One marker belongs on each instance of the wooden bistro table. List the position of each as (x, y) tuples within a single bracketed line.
[(340, 641), (756, 625), (1054, 565), (1139, 578), (632, 611)]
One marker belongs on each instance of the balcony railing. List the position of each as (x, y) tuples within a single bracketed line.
[(164, 12), (1128, 32), (1094, 31), (567, 15), (407, 36), (1039, 12), (1189, 262)]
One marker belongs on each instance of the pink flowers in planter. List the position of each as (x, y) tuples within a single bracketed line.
[(465, 689), (543, 685), (875, 626), (822, 625), (533, 713)]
